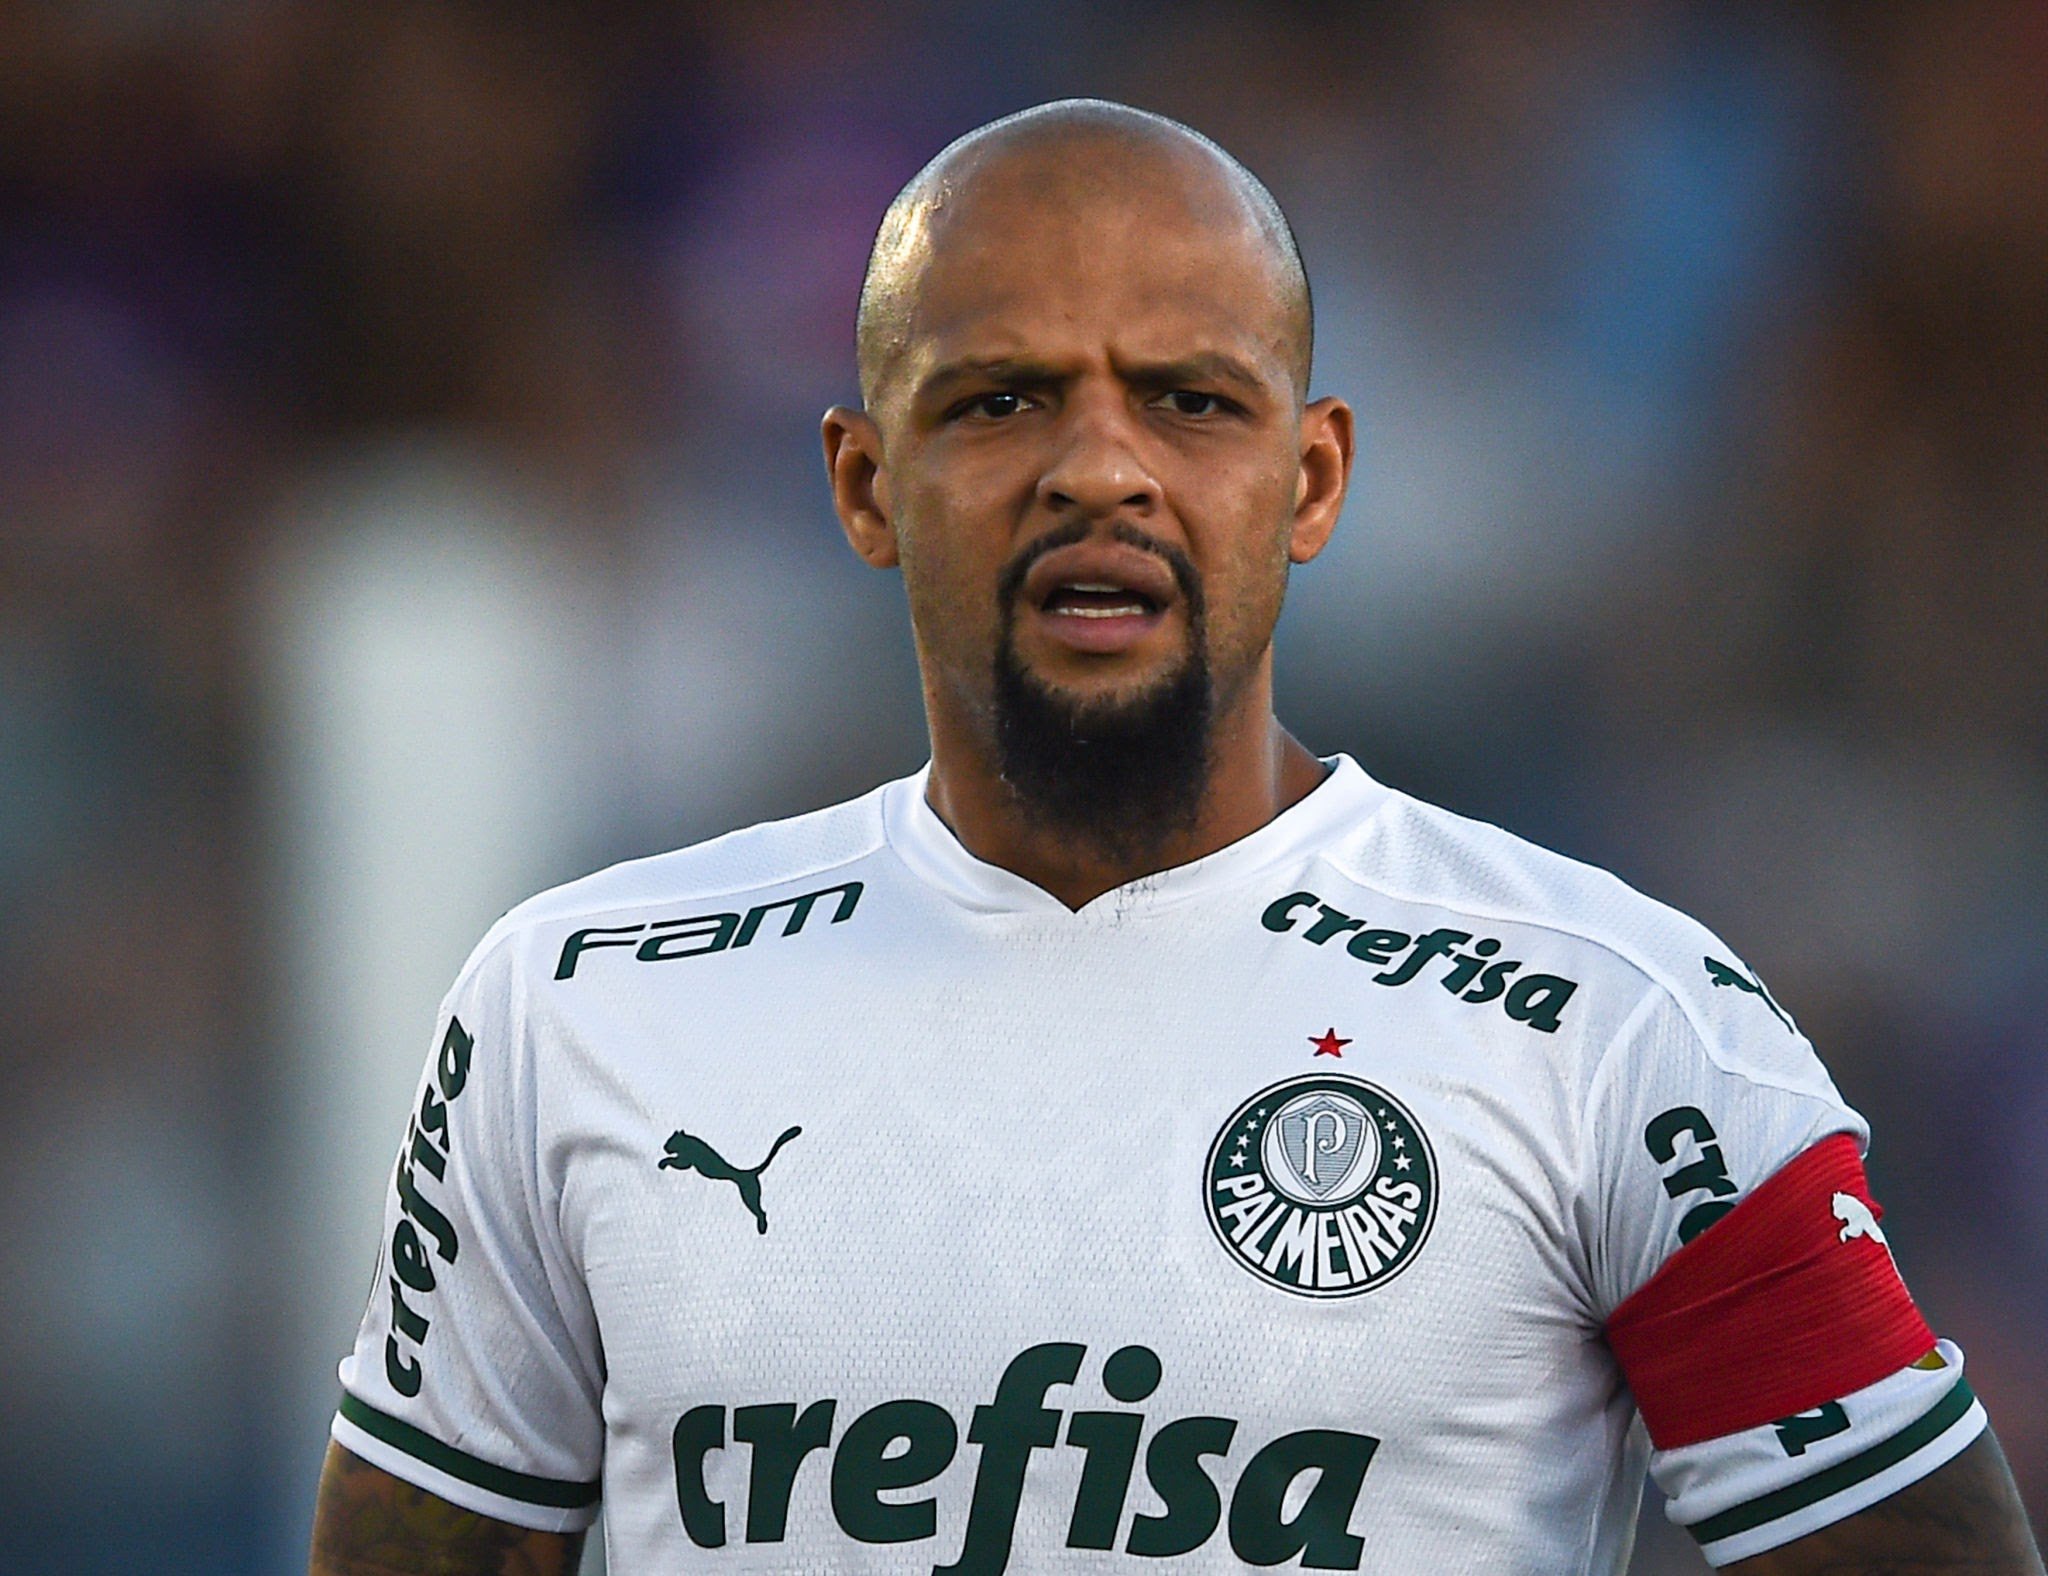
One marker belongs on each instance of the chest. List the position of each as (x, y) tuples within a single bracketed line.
[(1188, 1178)]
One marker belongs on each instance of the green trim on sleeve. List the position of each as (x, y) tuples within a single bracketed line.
[(1933, 1423), (446, 1458)]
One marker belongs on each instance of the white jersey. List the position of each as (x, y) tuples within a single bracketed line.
[(825, 1199)]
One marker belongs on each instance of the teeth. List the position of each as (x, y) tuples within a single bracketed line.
[(1065, 600)]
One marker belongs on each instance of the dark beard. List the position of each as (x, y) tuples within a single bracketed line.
[(1122, 776)]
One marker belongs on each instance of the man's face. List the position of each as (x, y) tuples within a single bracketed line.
[(1091, 435)]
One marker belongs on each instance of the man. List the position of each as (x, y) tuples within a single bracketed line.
[(1132, 1137)]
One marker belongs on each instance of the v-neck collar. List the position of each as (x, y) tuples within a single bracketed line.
[(939, 859)]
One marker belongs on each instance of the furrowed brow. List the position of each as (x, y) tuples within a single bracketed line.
[(1208, 366), (1009, 372)]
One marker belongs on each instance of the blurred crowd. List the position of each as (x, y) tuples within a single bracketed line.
[(1701, 530)]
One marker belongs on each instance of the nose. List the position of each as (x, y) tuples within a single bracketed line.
[(1098, 470)]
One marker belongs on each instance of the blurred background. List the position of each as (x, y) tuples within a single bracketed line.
[(409, 497)]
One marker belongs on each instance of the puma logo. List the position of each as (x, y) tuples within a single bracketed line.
[(686, 1152), (1857, 1220), (1727, 974)]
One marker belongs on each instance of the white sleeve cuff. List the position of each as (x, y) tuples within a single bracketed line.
[(1745, 1493), (394, 1446)]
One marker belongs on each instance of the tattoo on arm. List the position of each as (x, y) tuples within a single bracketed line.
[(369, 1523), (1962, 1519)]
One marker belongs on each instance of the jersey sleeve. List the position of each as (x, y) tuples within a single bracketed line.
[(476, 1374), (1784, 1377)]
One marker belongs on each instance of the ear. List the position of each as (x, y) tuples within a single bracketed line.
[(1325, 473), (860, 488)]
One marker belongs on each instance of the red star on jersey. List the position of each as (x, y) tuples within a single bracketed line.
[(1327, 1043)]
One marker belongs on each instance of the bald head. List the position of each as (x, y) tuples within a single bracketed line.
[(1056, 160)]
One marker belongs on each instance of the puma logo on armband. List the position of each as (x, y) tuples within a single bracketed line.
[(1857, 1220)]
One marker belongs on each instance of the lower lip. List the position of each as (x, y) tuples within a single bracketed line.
[(1099, 635)]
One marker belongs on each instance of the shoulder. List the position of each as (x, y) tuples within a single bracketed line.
[(1643, 957), (716, 882)]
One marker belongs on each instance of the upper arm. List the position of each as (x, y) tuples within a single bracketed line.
[(369, 1523), (1962, 1517), (477, 1372), (1787, 1382)]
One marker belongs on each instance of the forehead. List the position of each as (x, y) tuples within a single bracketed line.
[(1069, 261)]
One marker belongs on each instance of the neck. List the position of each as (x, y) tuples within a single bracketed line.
[(1257, 770)]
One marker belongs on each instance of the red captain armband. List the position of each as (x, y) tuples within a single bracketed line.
[(1787, 1302)]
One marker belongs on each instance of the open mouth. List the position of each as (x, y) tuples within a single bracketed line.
[(1097, 599)]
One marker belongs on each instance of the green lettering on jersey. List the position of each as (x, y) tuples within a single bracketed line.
[(1258, 1533), (1801, 1429), (902, 1444), (422, 1167), (699, 935), (867, 1463), (1477, 976), (1173, 1466), (781, 1440)]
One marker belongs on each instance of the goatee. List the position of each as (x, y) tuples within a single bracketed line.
[(1122, 776)]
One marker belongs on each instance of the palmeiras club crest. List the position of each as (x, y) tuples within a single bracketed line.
[(1323, 1186)]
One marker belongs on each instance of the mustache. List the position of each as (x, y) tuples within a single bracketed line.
[(1014, 573)]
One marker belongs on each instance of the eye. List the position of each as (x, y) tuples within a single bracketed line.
[(997, 405), (1193, 402)]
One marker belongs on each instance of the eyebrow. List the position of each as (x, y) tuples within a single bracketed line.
[(1207, 366), (1008, 371)]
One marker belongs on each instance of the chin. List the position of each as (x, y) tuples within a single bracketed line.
[(1088, 679), (1106, 694), (1120, 765)]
